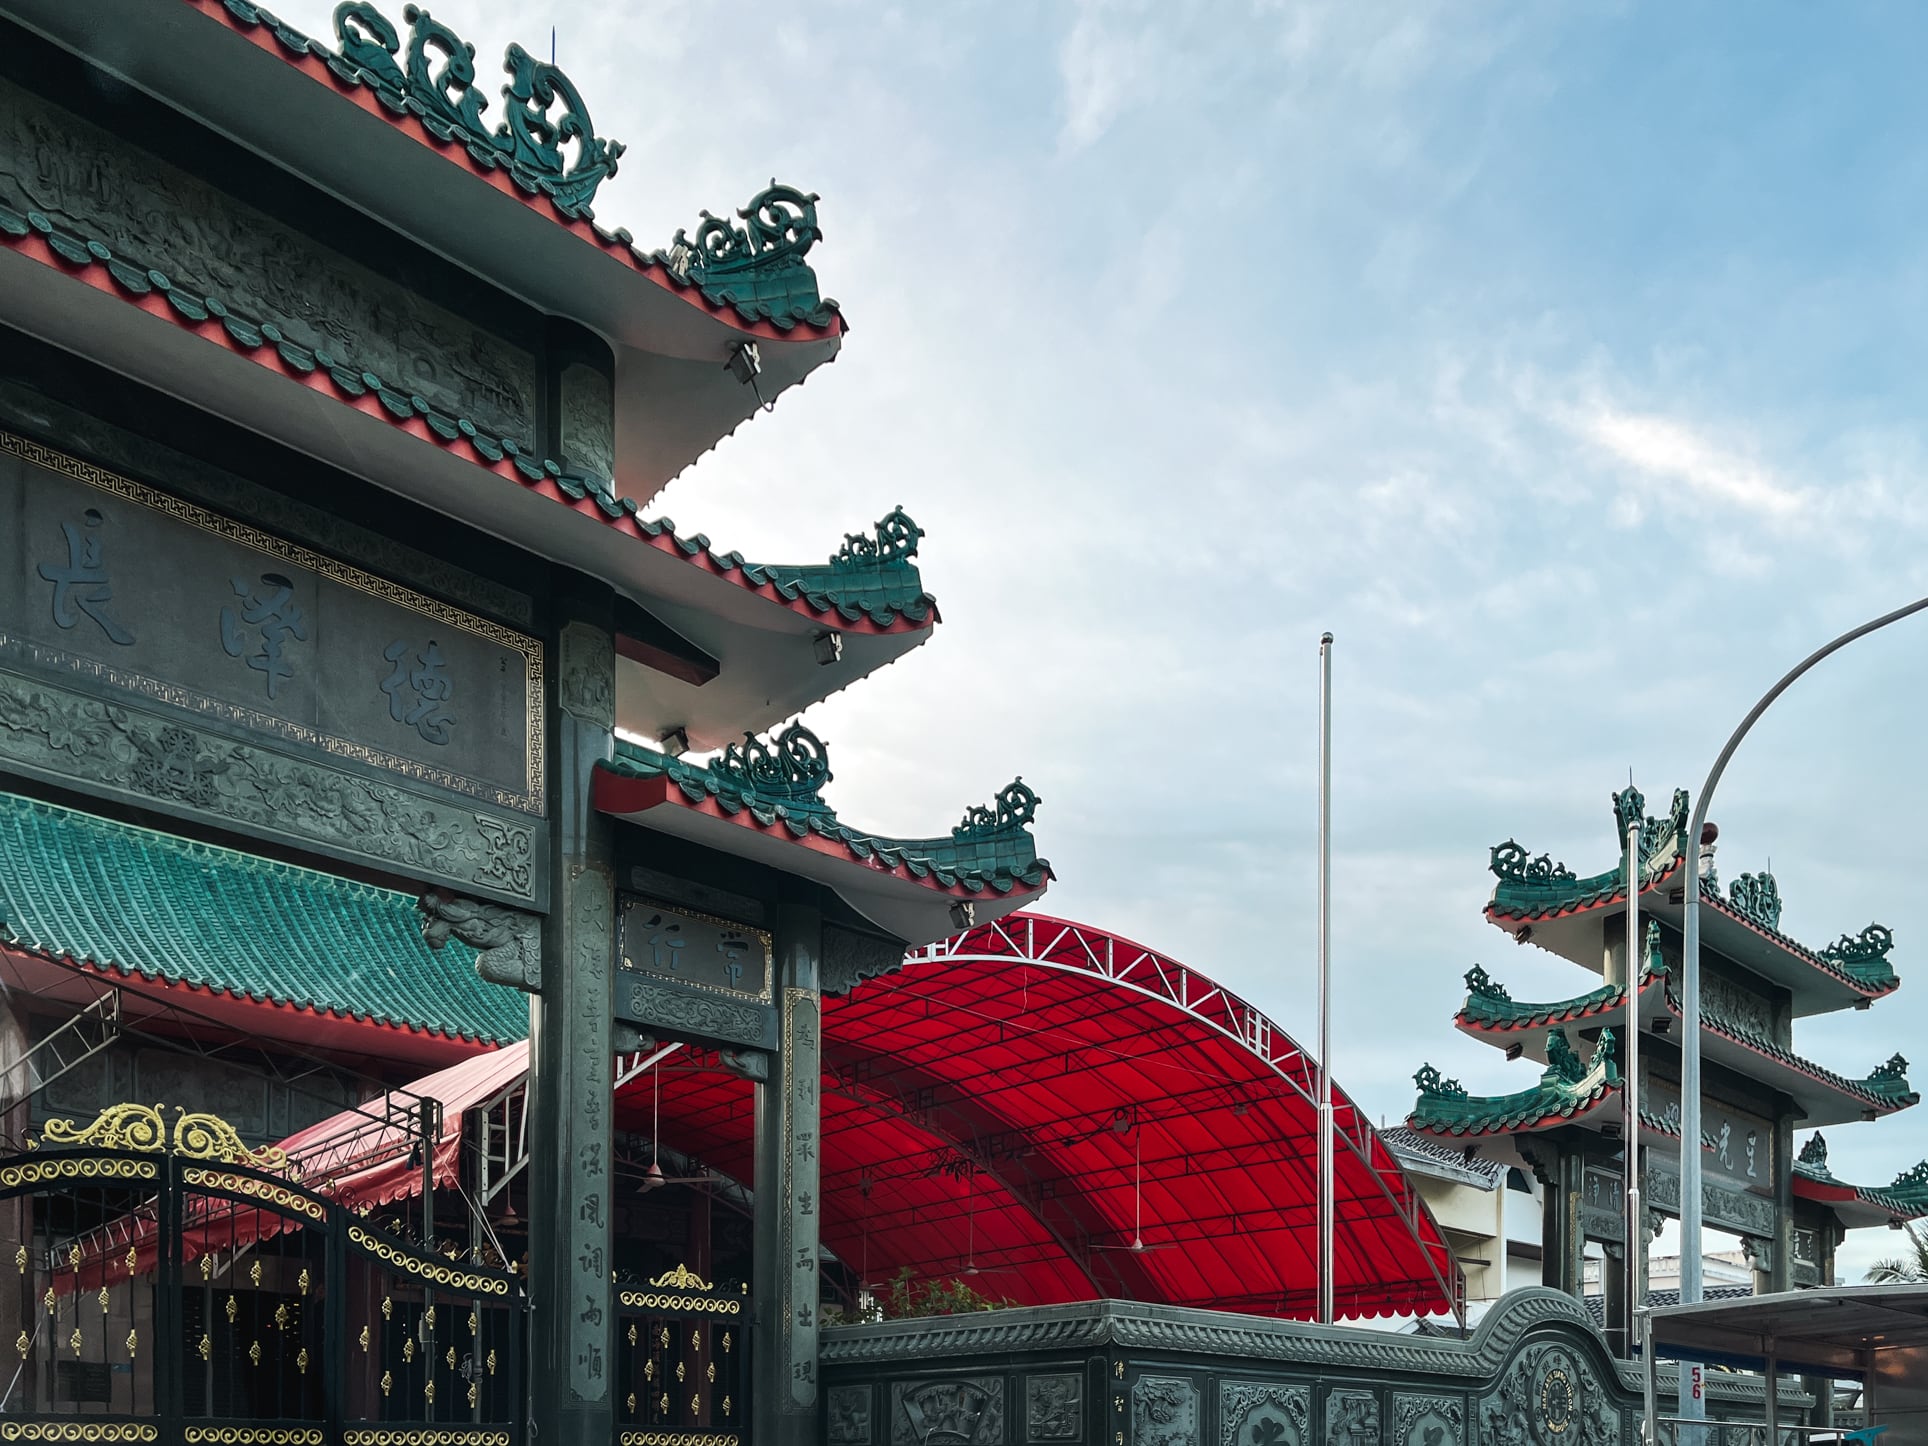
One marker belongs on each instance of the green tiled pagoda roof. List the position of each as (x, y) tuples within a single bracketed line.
[(1567, 1088), (1529, 889), (779, 786), (133, 902), (1489, 1006)]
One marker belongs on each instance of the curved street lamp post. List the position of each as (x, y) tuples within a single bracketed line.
[(1691, 1403)]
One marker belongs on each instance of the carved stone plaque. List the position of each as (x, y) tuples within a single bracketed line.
[(1428, 1421), (152, 649), (1054, 1407), (691, 976), (1603, 1214), (1352, 1419), (848, 1410), (1164, 1411), (1263, 1413), (960, 1411), (1549, 1396)]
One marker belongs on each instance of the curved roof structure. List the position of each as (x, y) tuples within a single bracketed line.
[(1061, 1114)]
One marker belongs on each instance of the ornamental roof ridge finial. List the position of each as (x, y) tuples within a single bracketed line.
[(1895, 1071), (1603, 1056), (1913, 1178), (1509, 862), (1870, 946), (528, 143), (790, 770), (1431, 1082), (1629, 808), (1656, 961), (1478, 981), (895, 540), (779, 226), (1015, 806), (1815, 1152), (1563, 1063), (1757, 897)]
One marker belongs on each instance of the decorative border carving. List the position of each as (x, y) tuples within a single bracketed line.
[(88, 1431), (1059, 1420), (297, 1200), (1164, 1411), (432, 1436), (103, 746), (530, 800), (1363, 1427), (80, 1167), (674, 1438), (669, 1300), (254, 1436), (1409, 1411)]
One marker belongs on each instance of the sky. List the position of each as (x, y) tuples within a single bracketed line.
[(1566, 362)]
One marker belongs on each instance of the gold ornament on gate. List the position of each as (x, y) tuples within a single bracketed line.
[(254, 1273), (232, 1307), (207, 1348), (408, 1351), (254, 1352), (301, 1360), (103, 1299), (133, 1259), (23, 1345), (388, 1382), (364, 1340), (74, 1340), (20, 1259), (133, 1341), (632, 1333), (302, 1281)]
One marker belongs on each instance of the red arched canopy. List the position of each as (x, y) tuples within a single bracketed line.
[(1022, 1102)]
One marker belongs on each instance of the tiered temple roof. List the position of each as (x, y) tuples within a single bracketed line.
[(1543, 901), (1906, 1199)]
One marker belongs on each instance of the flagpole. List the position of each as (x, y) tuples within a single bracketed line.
[(1325, 981), (1636, 1216)]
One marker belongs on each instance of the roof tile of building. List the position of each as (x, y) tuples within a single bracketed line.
[(1905, 1199), (754, 272), (880, 592), (779, 785), (1429, 1155), (134, 902), (1568, 1088)]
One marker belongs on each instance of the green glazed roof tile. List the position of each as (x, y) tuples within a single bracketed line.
[(1569, 1086), (779, 784), (136, 902)]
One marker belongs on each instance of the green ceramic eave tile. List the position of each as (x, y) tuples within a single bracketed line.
[(161, 907)]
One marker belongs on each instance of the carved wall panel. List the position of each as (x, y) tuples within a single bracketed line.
[(1263, 1413), (1054, 1407), (1164, 1411), (1550, 1396), (848, 1412), (1352, 1419), (1428, 1421), (160, 217), (588, 421), (962, 1411)]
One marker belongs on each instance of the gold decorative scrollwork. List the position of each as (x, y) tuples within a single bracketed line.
[(254, 1436), (677, 1438), (118, 1127), (78, 1431), (275, 1194), (201, 1136), (417, 1437), (681, 1278), (703, 1304), (40, 1172), (468, 1282)]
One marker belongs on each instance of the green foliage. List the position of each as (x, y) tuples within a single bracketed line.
[(1909, 1269), (907, 1298)]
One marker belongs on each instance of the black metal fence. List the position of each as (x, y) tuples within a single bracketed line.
[(682, 1351), (161, 1286)]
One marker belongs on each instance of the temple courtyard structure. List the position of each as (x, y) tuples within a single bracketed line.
[(444, 1004)]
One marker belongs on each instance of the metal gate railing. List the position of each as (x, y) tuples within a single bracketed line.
[(171, 1287), (682, 1348)]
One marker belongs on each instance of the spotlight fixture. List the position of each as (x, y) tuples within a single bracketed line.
[(963, 914), (829, 648), (1663, 1025), (1514, 1051), (1523, 935), (746, 365), (676, 742)]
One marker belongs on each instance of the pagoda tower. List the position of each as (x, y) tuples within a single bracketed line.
[(1569, 1127)]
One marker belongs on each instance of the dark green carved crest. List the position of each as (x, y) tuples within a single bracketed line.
[(790, 770), (1478, 981), (1511, 862), (1757, 897), (1432, 1083), (1894, 1072), (1870, 946), (1016, 806), (1912, 1179), (1629, 807), (435, 81), (1814, 1153), (1561, 1059), (895, 540)]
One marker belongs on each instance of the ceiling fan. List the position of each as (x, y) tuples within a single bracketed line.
[(1138, 1245), (653, 1177), (971, 1267)]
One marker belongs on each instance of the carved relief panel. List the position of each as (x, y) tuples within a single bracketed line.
[(1263, 1413), (1352, 1419), (1054, 1407), (1164, 1411), (961, 1411), (1549, 1396), (848, 1412), (1428, 1421)]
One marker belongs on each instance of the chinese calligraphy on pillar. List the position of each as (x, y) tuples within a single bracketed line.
[(802, 1075)]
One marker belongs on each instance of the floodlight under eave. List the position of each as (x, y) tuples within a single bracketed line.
[(828, 648), (676, 742), (963, 914)]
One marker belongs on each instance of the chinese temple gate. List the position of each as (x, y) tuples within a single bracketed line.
[(329, 413), (1783, 1203)]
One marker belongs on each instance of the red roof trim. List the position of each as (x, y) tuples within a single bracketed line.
[(269, 357), (360, 96), (127, 976), (619, 794)]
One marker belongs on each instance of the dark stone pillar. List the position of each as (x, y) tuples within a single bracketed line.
[(1613, 1297), (786, 1192), (572, 1325), (1561, 1266), (1781, 1271)]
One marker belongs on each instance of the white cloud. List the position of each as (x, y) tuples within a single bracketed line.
[(1667, 450)]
